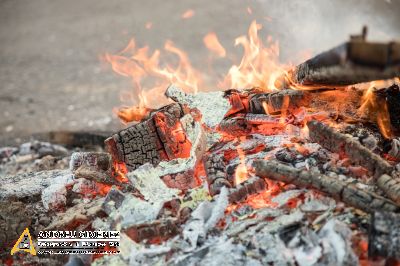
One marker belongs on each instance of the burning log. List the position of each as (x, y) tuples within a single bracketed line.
[(353, 62), (349, 193), (158, 138), (384, 235), (342, 144)]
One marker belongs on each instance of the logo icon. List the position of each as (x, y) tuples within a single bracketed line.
[(24, 243)]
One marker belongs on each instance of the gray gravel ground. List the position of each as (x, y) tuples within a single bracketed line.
[(51, 77)]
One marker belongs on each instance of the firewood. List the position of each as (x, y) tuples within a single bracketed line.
[(215, 168), (346, 145), (349, 193), (353, 62), (343, 144), (158, 138), (384, 235)]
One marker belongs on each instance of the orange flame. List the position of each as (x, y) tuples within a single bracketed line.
[(150, 78), (212, 43), (259, 66), (241, 173), (376, 108)]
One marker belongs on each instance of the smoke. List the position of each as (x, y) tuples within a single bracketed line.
[(316, 25)]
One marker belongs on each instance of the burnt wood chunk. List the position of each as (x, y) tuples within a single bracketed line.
[(349, 193), (384, 235), (242, 191), (340, 143), (161, 137), (275, 102), (215, 168), (353, 62), (390, 185), (159, 229)]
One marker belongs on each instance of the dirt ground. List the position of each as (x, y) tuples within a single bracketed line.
[(51, 77)]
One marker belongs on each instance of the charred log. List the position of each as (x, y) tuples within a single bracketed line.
[(345, 145), (384, 235), (353, 62), (215, 168), (158, 138), (349, 193)]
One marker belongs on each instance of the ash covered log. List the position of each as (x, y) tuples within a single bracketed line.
[(353, 62), (340, 143), (349, 193), (384, 235), (343, 144), (158, 138)]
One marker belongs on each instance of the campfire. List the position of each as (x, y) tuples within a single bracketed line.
[(285, 165)]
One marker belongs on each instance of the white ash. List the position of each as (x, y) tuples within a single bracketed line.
[(82, 185), (85, 211), (336, 242), (205, 217), (30, 184), (136, 211), (55, 195), (283, 197), (147, 180), (212, 105)]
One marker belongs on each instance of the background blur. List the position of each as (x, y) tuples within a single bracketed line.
[(52, 78)]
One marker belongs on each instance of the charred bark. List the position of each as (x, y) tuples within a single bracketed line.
[(353, 62), (345, 145), (384, 235), (158, 138), (349, 193)]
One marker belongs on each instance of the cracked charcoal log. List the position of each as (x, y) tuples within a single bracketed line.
[(242, 191), (163, 229), (158, 138), (343, 144), (216, 177), (353, 62), (348, 193), (384, 235)]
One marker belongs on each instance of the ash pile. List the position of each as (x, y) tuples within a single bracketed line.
[(241, 177)]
